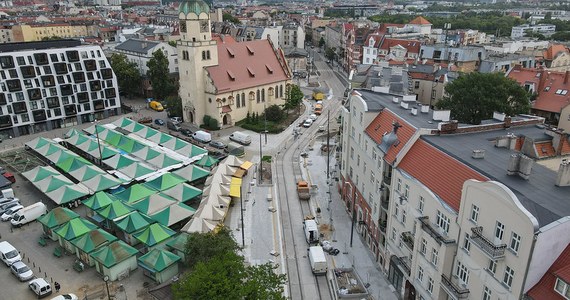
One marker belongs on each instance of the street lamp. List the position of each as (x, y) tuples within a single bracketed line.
[(106, 279), (260, 160)]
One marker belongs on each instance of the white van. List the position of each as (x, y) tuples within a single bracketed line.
[(9, 254), (318, 260), (311, 231), (240, 137), (28, 214), (40, 287), (202, 136)]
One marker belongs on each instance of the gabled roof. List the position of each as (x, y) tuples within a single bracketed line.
[(441, 173), (251, 64), (553, 51), (544, 289), (553, 88), (412, 46), (420, 21), (114, 253), (138, 46), (382, 125)]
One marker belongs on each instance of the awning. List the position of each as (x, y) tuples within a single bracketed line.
[(226, 109), (235, 187), (239, 173), (246, 165)]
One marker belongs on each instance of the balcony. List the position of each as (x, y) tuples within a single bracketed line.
[(433, 232), (489, 248), (408, 240), (382, 225), (453, 290), (405, 263), (387, 180), (385, 204)]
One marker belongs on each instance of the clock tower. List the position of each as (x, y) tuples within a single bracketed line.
[(196, 51)]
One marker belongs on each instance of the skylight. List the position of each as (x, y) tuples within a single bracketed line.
[(558, 92)]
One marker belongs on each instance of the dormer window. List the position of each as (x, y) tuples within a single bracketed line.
[(562, 288), (231, 75), (250, 50), (546, 89), (231, 52), (269, 69), (250, 71)]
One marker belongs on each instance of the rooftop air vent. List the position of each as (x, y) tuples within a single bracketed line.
[(478, 154)]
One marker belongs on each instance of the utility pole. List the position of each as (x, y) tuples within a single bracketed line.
[(260, 160), (242, 226)]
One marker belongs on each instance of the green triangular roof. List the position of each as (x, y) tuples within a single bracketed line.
[(160, 138), (163, 161), (52, 183), (197, 151), (114, 210), (134, 221), (86, 172), (192, 172), (77, 139), (119, 161), (67, 193), (134, 192), (158, 260), (124, 122), (183, 192), (49, 149), (93, 239), (179, 242), (75, 228), (136, 170), (57, 216), (39, 142), (71, 133), (131, 146), (134, 127), (207, 161), (173, 214), (154, 234), (102, 182), (60, 156), (153, 203), (175, 144), (165, 181), (99, 200), (114, 253), (72, 164), (111, 137), (147, 132), (39, 173), (146, 153)]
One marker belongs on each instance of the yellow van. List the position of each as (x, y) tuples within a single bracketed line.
[(156, 106)]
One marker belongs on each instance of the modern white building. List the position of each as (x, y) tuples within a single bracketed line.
[(54, 84), (455, 211), (518, 32), (141, 51)]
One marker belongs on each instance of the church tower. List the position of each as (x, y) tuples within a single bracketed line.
[(196, 51)]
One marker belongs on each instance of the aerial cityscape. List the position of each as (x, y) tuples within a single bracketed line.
[(204, 149)]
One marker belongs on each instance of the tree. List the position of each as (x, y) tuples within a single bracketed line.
[(159, 76), (262, 283), (128, 76), (475, 96), (274, 113), (330, 53), (201, 247), (227, 17), (322, 42), (174, 106), (561, 36), (294, 97)]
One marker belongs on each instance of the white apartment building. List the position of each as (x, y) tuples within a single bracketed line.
[(140, 52), (54, 84), (518, 32), (454, 211), (370, 49)]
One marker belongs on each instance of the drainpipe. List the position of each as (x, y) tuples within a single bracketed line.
[(535, 237)]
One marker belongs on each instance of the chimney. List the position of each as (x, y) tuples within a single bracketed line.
[(566, 77), (563, 178), (541, 81), (507, 121), (520, 164)]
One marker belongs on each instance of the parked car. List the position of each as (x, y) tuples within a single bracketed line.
[(176, 120), (186, 131), (65, 297), (7, 206), (173, 126), (40, 287), (218, 144), (240, 137), (307, 123), (313, 117), (202, 136), (145, 120), (7, 215), (28, 214), (155, 105), (9, 254), (159, 122), (21, 271)]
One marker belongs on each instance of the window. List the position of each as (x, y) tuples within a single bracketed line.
[(434, 258), (399, 186), (396, 210), (462, 273), (421, 204), (562, 288), (394, 234), (417, 85), (404, 215), (515, 242), (492, 266), (420, 274), (474, 213), (467, 243), (430, 285), (486, 293), (509, 275), (406, 191), (499, 230), (442, 221), (423, 247)]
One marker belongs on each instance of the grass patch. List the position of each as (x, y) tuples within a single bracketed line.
[(259, 126), (266, 158)]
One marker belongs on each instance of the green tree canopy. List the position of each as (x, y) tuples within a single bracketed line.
[(475, 96), (294, 97), (159, 75), (174, 106), (128, 76), (321, 41), (203, 247), (274, 113), (330, 53), (561, 36), (229, 18)]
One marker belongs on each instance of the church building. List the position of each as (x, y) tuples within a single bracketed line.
[(222, 78)]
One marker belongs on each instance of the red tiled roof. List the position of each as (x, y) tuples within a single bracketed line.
[(545, 149), (420, 21), (412, 46), (422, 76), (440, 172), (544, 289), (383, 124), (251, 63), (553, 51), (383, 28), (547, 84), (565, 147)]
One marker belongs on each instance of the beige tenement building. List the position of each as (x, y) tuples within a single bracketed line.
[(222, 78)]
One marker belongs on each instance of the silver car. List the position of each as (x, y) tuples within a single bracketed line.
[(20, 270), (7, 216)]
